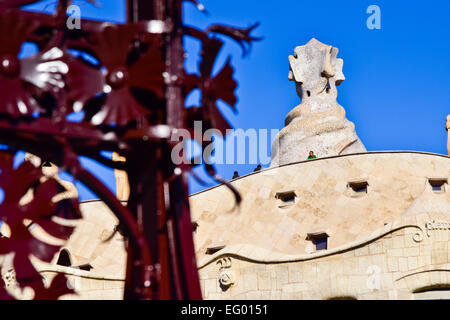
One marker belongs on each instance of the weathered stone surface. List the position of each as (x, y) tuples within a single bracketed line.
[(395, 180), (86, 245), (400, 273), (388, 243), (431, 201), (318, 123)]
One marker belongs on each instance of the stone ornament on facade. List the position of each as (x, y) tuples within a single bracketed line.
[(436, 225), (374, 280), (13, 288), (418, 236), (74, 281), (10, 278), (386, 265), (259, 255), (226, 275), (318, 124)]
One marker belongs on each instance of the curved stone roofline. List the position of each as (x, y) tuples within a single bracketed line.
[(324, 158), (261, 255), (422, 270), (99, 200), (71, 271)]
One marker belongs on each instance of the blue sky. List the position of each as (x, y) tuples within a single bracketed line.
[(396, 89)]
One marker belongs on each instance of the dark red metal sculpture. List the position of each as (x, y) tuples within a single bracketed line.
[(133, 99)]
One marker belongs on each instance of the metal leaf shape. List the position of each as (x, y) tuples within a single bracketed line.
[(16, 100), (219, 87), (39, 210), (222, 86), (82, 82), (210, 50), (113, 47), (217, 120), (211, 117), (27, 174), (190, 82), (13, 32), (120, 108), (240, 35), (147, 72), (57, 288), (45, 70)]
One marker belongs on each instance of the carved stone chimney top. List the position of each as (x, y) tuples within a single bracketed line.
[(316, 70), (318, 124)]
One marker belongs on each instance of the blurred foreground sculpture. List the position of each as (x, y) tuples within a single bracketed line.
[(50, 170), (128, 85), (122, 186)]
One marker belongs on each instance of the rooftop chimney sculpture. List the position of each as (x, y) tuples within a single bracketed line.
[(319, 122)]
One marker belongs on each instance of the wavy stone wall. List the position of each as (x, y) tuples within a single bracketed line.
[(324, 201), (406, 259)]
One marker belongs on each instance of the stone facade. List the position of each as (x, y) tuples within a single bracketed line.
[(91, 246), (324, 201), (403, 260), (96, 253), (389, 241)]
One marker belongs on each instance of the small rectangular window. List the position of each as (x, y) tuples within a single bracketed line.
[(285, 198), (437, 184), (358, 186), (321, 243), (214, 247), (319, 239)]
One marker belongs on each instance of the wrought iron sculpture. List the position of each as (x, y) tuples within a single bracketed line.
[(132, 99)]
